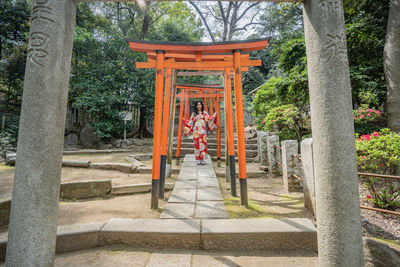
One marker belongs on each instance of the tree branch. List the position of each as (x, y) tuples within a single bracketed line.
[(247, 9), (204, 20)]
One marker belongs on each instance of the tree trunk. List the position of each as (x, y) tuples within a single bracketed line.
[(392, 66), (142, 132)]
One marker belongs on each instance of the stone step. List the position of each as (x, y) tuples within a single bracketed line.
[(248, 159), (211, 139), (214, 145), (210, 234), (213, 152)]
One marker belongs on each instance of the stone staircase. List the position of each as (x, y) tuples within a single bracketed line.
[(187, 147)]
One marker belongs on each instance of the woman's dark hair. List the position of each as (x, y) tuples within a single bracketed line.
[(195, 107)]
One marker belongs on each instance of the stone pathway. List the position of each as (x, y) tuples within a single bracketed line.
[(196, 193), (127, 256)]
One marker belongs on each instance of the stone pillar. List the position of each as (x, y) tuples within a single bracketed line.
[(290, 166), (274, 156), (262, 148), (336, 184), (34, 208), (308, 175)]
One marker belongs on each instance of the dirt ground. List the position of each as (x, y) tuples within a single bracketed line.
[(266, 197), (101, 210), (81, 174)]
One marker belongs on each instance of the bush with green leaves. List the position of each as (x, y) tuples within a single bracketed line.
[(266, 99), (380, 153), (286, 121), (9, 135), (367, 120)]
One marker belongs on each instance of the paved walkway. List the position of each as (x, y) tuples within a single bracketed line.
[(127, 256), (196, 193)]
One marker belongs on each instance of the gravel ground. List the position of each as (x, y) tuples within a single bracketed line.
[(378, 224)]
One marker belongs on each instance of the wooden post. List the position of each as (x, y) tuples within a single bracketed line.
[(187, 107), (157, 129), (240, 128), (164, 140), (178, 143), (217, 107), (229, 129), (172, 119)]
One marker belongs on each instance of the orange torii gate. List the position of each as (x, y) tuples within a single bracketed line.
[(185, 95), (219, 56)]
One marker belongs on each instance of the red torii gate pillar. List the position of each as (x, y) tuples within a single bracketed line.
[(230, 143)]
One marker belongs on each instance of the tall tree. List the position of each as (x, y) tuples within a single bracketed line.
[(224, 21), (14, 29), (392, 66)]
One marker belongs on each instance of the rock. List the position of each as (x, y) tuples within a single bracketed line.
[(11, 158), (114, 166), (135, 163), (88, 137), (378, 254), (85, 189), (69, 121), (142, 157), (129, 142), (124, 145), (105, 146), (71, 142), (76, 163), (250, 132)]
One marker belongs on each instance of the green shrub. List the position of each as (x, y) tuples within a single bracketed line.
[(266, 99), (286, 121), (367, 120), (9, 135), (380, 153)]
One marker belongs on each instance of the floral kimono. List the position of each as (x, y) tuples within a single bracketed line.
[(199, 124)]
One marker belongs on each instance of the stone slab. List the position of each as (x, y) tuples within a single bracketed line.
[(182, 184), (148, 170), (183, 196), (178, 211), (211, 209), (170, 260), (152, 233), (136, 188), (78, 236), (209, 193), (208, 259), (95, 151), (249, 234), (208, 183), (85, 189), (5, 208), (76, 163), (123, 167), (206, 173)]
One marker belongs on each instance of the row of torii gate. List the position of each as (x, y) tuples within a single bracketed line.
[(167, 58)]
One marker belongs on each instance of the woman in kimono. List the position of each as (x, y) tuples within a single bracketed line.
[(200, 122)]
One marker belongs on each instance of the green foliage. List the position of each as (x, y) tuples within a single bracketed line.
[(266, 98), (285, 121), (367, 120), (366, 23), (380, 153), (14, 27), (8, 136)]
